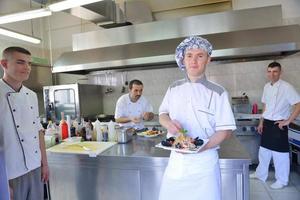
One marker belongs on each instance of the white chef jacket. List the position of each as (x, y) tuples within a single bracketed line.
[(126, 108), (20, 126), (279, 99), (202, 108)]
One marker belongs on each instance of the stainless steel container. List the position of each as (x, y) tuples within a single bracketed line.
[(124, 134)]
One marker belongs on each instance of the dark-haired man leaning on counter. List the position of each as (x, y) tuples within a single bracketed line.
[(133, 108)]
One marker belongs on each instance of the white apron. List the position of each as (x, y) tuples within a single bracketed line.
[(192, 177)]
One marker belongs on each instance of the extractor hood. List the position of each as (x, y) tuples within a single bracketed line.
[(105, 13), (234, 34)]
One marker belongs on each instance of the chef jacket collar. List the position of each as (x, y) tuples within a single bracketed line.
[(10, 88), (202, 79)]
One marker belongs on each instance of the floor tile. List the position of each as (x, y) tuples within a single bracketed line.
[(259, 196), (262, 191), (289, 188), (285, 195), (257, 185), (295, 177)]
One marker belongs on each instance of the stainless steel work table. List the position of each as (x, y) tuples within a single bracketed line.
[(134, 171)]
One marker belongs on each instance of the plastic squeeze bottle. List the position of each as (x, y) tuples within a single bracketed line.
[(254, 108), (98, 130), (111, 131), (64, 130)]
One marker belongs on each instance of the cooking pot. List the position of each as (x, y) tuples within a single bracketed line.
[(124, 134)]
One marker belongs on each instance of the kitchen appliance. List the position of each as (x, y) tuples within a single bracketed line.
[(247, 134), (76, 100), (233, 34), (294, 140)]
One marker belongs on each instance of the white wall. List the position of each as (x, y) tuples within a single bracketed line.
[(248, 77), (290, 8)]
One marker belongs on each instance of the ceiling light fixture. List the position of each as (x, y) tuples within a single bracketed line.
[(19, 36), (21, 16), (67, 4)]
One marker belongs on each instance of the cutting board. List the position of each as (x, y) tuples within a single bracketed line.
[(89, 148)]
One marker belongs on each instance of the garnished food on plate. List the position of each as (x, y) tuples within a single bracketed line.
[(151, 132), (183, 141)]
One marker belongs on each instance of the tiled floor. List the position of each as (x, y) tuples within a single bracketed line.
[(262, 191)]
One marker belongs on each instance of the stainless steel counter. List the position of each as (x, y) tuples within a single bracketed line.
[(133, 171)]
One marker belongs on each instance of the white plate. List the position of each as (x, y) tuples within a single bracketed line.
[(183, 150), (141, 133)]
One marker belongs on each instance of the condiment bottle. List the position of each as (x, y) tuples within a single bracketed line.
[(98, 130), (254, 108), (64, 130), (111, 131)]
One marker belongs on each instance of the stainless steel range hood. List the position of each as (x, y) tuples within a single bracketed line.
[(235, 34), (101, 13)]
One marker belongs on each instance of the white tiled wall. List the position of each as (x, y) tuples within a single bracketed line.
[(248, 77)]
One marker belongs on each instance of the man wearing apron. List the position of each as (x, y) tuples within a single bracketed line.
[(202, 108), (133, 108), (20, 128), (278, 99)]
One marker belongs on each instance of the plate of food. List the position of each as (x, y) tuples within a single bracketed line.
[(183, 143), (149, 133)]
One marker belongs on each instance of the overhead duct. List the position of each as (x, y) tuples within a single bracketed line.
[(234, 34), (101, 13), (105, 13)]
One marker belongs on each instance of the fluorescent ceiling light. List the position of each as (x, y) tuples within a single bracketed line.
[(67, 4), (19, 36), (20, 16)]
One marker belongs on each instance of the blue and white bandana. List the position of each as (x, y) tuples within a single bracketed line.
[(193, 42)]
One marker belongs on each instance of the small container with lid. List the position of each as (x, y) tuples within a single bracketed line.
[(124, 134)]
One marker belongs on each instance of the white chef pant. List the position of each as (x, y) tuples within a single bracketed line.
[(192, 177), (281, 163)]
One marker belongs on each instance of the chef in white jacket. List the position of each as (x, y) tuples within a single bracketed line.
[(202, 108), (20, 128), (133, 108)]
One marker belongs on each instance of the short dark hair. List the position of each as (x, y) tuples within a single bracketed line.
[(135, 82), (274, 64), (10, 50)]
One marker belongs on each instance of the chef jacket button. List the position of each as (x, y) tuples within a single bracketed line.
[(14, 110), (33, 122), (18, 126), (35, 151), (31, 107), (8, 94), (22, 140), (34, 137), (26, 93)]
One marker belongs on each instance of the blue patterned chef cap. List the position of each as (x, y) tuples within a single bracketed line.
[(193, 42)]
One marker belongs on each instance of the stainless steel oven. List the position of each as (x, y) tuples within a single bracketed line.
[(76, 100), (247, 134)]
